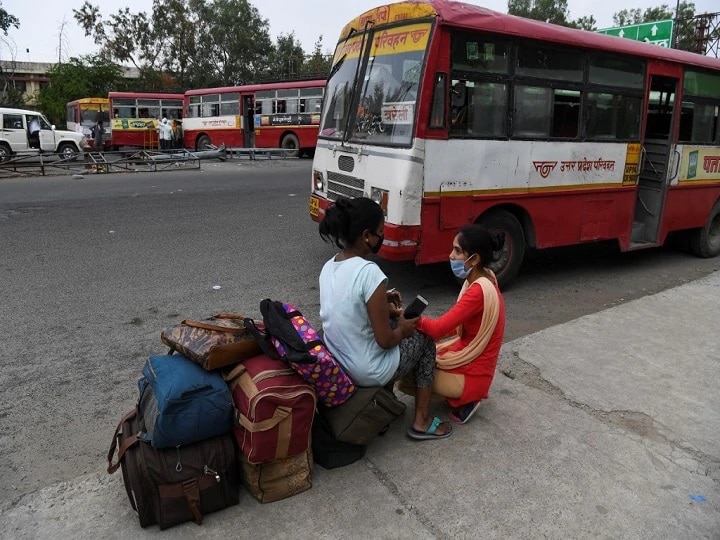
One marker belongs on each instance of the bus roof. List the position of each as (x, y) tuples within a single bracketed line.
[(89, 100), (143, 95), (256, 87), (471, 17)]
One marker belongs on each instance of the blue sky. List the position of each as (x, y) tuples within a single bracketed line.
[(41, 20)]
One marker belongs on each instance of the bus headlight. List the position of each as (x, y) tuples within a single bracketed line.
[(380, 196), (318, 180)]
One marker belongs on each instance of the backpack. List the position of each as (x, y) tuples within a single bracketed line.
[(295, 341)]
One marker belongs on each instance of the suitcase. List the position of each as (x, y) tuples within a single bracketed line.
[(277, 479), (213, 343), (327, 451), (174, 485), (274, 409)]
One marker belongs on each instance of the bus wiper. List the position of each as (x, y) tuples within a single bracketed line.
[(337, 66)]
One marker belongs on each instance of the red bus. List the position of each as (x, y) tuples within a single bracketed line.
[(272, 115), (448, 114), (135, 117)]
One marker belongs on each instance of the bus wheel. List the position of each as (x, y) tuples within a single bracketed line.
[(291, 145), (68, 151), (510, 257), (5, 152), (705, 242), (203, 143)]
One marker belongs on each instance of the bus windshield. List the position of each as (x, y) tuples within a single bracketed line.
[(383, 111)]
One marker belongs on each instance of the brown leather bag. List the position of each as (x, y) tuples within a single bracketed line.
[(174, 485), (277, 479), (213, 343)]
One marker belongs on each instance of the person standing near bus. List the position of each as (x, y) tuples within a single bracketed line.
[(98, 138), (465, 364)]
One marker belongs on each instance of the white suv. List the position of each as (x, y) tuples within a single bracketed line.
[(16, 137)]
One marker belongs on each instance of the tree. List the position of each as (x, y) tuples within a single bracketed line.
[(287, 59), (196, 42), (319, 64), (11, 96), (552, 11), (686, 38), (86, 76)]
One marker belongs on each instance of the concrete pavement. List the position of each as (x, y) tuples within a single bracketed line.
[(604, 427)]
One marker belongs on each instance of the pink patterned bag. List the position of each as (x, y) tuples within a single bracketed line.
[(297, 342)]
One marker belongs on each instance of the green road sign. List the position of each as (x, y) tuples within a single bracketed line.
[(658, 32)]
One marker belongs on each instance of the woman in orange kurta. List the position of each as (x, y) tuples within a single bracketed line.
[(465, 364)]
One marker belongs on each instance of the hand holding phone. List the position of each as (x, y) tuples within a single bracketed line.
[(416, 307)]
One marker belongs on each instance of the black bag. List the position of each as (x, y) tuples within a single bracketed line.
[(327, 451), (364, 415), (174, 485)]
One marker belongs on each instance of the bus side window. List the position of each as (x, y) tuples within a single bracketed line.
[(437, 110)]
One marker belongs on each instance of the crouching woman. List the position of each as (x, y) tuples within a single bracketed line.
[(465, 363)]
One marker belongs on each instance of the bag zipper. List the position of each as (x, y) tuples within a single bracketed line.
[(272, 373), (209, 471)]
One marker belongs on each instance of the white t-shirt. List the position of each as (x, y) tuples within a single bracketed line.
[(345, 288)]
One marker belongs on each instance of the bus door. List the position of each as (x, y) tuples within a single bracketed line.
[(660, 159), (248, 123)]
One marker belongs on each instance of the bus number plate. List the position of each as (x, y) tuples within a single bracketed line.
[(314, 206)]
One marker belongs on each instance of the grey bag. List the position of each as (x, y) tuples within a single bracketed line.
[(365, 414)]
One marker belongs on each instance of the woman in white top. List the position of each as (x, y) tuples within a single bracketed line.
[(356, 310)]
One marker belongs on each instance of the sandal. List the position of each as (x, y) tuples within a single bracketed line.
[(463, 414), (430, 433)]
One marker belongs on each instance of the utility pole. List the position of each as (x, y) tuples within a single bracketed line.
[(673, 38)]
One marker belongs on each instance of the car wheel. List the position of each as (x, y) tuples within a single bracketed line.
[(5, 152), (68, 151)]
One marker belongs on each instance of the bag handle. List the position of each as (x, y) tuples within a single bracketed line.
[(234, 373), (261, 337), (192, 494), (281, 413), (127, 443), (209, 326)]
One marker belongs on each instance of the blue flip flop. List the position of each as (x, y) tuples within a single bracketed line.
[(430, 433)]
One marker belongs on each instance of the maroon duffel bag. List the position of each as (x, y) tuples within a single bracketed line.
[(174, 485), (274, 409)]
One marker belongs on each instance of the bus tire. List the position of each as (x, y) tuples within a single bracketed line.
[(511, 256), (68, 151), (5, 152), (203, 143), (705, 242), (291, 145)]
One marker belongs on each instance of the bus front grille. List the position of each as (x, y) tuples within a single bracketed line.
[(344, 185)]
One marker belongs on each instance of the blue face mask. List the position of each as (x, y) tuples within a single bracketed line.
[(458, 268)]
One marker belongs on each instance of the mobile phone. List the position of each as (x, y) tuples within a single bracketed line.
[(416, 307)]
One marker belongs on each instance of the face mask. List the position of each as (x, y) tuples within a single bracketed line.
[(458, 268), (376, 248)]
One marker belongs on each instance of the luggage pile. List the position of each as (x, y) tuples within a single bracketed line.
[(240, 402)]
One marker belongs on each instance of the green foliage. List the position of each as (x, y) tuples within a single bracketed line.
[(287, 59), (552, 11), (686, 38), (87, 76), (7, 20), (319, 64)]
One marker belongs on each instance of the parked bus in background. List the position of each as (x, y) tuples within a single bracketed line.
[(135, 117), (83, 115), (272, 115), (447, 114)]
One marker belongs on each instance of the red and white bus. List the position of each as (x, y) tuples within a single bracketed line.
[(135, 117), (83, 115), (272, 115), (449, 114)]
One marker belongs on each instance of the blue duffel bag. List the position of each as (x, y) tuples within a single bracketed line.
[(181, 402)]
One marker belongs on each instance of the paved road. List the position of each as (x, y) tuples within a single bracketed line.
[(93, 269)]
